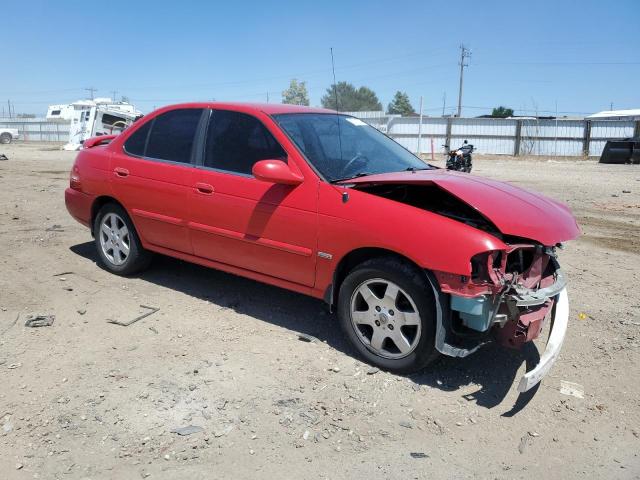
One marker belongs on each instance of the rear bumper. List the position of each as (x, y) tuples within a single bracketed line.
[(79, 205), (559, 324)]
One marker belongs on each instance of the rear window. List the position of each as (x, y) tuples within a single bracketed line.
[(172, 135), (136, 142)]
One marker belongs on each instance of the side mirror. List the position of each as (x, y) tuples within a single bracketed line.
[(275, 171)]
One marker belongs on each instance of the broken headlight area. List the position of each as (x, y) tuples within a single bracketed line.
[(508, 294)]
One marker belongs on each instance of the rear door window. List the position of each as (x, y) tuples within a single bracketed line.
[(173, 135), (235, 141), (136, 143)]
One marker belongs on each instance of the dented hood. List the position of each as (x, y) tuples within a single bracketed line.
[(513, 210)]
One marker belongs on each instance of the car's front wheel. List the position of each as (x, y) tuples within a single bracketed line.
[(5, 138), (117, 242), (387, 310)]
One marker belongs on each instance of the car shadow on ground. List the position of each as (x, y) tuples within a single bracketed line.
[(493, 368)]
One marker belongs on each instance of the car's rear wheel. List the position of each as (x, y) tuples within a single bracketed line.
[(5, 138), (387, 310), (118, 244)]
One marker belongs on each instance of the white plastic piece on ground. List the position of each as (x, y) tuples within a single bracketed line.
[(573, 389), (554, 344), (72, 147)]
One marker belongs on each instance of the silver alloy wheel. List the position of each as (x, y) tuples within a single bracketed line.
[(114, 239), (385, 318)]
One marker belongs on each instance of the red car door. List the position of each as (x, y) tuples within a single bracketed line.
[(241, 221), (152, 177)]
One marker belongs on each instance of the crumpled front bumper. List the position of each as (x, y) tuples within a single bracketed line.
[(558, 328), (559, 323)]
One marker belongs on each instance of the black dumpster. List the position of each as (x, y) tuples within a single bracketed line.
[(624, 150)]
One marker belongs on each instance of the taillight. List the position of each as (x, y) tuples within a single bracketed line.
[(74, 179)]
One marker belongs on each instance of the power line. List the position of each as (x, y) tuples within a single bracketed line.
[(372, 62)]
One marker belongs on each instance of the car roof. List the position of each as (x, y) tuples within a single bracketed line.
[(268, 108)]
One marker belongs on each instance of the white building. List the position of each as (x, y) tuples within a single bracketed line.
[(632, 114)]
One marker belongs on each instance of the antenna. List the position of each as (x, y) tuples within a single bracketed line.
[(335, 93)]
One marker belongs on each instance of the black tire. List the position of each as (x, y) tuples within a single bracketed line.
[(5, 138), (137, 259), (415, 284)]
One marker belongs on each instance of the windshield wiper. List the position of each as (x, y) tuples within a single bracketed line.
[(415, 169), (361, 174)]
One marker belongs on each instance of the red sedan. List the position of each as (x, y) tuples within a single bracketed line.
[(415, 259)]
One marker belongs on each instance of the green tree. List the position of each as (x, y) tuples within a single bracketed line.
[(368, 100), (296, 94), (400, 104), (502, 112), (350, 98)]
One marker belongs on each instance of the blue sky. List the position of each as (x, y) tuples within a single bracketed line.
[(580, 55)]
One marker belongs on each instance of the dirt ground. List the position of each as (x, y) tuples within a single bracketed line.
[(87, 399)]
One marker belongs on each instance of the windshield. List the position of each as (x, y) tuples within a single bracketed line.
[(342, 147)]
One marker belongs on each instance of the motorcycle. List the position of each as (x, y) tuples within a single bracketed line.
[(460, 159)]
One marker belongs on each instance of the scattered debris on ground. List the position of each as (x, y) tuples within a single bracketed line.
[(525, 441), (83, 399), (188, 430), (39, 321), (307, 338), (573, 389), (151, 311), (418, 455)]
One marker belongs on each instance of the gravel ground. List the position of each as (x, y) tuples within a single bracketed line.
[(87, 399)]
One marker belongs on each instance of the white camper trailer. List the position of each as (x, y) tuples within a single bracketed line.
[(92, 118)]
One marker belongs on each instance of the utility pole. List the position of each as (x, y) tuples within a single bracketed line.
[(444, 101), (115, 93), (464, 53), (9, 105), (420, 128), (91, 91), (611, 107)]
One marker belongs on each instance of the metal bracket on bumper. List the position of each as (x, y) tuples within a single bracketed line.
[(554, 344)]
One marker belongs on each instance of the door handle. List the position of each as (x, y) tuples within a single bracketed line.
[(204, 188), (121, 172)]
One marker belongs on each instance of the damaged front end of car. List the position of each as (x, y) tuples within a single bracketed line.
[(509, 297), (509, 294)]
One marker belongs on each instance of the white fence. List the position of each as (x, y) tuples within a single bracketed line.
[(506, 136), (38, 129), (488, 135)]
